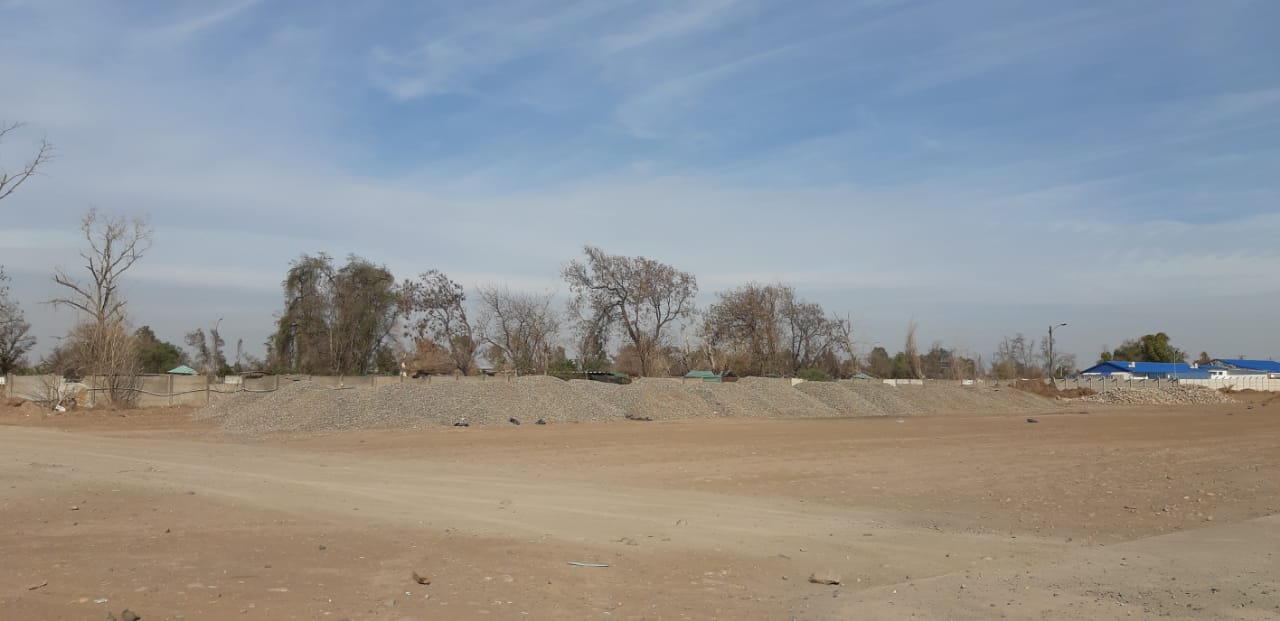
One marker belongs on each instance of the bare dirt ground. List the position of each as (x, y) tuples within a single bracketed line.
[(1094, 513)]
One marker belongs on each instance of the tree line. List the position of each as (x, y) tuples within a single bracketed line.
[(630, 314)]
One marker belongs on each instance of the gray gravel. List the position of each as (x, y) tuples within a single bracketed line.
[(1167, 395), (304, 406)]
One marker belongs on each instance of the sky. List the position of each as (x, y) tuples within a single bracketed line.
[(984, 168)]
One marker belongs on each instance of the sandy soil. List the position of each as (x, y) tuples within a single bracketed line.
[(1094, 514)]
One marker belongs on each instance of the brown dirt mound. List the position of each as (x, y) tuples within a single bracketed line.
[(1038, 387)]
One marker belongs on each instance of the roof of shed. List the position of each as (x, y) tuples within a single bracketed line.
[(1255, 365)]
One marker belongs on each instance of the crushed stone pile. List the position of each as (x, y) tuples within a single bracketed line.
[(1166, 395), (304, 406)]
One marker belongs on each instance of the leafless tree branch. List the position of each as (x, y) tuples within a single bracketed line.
[(9, 182)]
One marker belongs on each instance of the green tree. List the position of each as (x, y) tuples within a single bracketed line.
[(879, 363), (902, 367), (155, 355), (1148, 348), (561, 366), (335, 320), (814, 375)]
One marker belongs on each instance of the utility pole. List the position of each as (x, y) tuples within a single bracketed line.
[(1052, 371)]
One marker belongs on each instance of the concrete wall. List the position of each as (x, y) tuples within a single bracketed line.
[(1235, 382), (31, 387)]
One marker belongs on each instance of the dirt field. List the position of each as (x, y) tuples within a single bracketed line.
[(1089, 514)]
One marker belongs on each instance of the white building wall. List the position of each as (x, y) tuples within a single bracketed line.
[(1237, 382)]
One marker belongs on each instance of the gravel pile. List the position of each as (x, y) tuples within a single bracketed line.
[(1171, 395), (306, 407), (887, 400), (839, 398)]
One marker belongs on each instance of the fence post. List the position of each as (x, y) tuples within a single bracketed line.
[(170, 390), (206, 390)]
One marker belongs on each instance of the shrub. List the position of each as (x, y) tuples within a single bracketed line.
[(814, 375)]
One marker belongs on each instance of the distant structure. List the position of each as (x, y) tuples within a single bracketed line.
[(1121, 369), (1218, 368), (1238, 366)]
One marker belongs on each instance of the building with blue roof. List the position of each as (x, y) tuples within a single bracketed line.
[(1148, 370), (1256, 366)]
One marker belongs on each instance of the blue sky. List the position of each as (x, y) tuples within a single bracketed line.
[(984, 167)]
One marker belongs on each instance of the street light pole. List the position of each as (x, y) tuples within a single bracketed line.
[(1052, 372)]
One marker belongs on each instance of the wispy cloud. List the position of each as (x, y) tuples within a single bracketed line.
[(192, 25), (649, 113), (1253, 105), (975, 52), (452, 54), (891, 159), (676, 21)]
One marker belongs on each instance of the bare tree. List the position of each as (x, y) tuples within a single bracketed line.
[(1015, 358), (522, 326), (434, 310), (114, 245), (207, 350), (1057, 362), (639, 297), (812, 337), (110, 354), (10, 181), (102, 343), (592, 332), (15, 340), (844, 341), (743, 326), (912, 352), (768, 329)]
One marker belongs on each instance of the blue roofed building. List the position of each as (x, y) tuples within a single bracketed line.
[(1122, 369), (1243, 365)]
